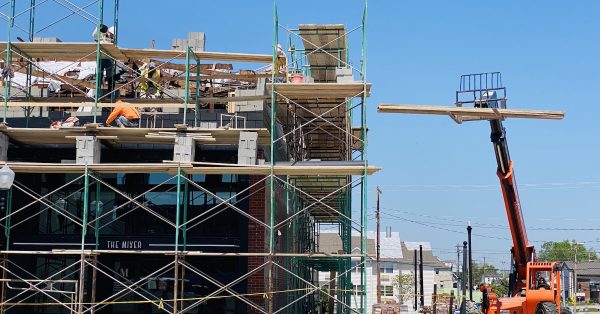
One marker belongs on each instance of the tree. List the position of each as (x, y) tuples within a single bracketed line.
[(479, 270), (565, 251), (500, 287), (405, 285)]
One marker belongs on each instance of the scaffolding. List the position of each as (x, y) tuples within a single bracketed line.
[(83, 259)]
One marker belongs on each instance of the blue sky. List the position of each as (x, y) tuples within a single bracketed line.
[(435, 171)]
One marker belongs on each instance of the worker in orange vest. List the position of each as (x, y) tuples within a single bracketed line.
[(124, 115)]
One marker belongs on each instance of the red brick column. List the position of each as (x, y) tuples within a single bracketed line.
[(256, 240)]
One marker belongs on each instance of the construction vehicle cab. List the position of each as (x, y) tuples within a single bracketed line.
[(539, 295), (534, 287)]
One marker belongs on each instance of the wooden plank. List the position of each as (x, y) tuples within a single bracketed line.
[(85, 51), (481, 113), (204, 56), (319, 90), (144, 103), (23, 167), (128, 135)]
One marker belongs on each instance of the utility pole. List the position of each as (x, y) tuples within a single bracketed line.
[(458, 270), (378, 221), (463, 304), (469, 229), (416, 273), (422, 286), (575, 277), (483, 272)]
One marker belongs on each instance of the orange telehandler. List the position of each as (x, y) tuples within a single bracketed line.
[(534, 287)]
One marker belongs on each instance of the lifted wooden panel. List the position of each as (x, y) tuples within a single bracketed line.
[(457, 113)]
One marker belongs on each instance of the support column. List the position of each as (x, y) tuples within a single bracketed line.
[(88, 150), (3, 147)]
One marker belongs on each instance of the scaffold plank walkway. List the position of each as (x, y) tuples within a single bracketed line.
[(87, 52), (320, 90), (308, 171), (66, 135)]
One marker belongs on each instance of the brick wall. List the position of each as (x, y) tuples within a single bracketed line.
[(256, 240)]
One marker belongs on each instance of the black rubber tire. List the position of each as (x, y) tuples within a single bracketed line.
[(546, 308), (565, 310)]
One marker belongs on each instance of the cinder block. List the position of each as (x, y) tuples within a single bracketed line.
[(344, 75), (184, 149), (247, 148), (87, 150)]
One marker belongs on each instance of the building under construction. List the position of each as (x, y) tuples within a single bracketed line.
[(211, 201)]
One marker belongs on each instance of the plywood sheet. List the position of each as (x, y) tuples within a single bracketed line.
[(86, 51), (480, 113), (320, 90)]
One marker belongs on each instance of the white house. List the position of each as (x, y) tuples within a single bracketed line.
[(396, 257)]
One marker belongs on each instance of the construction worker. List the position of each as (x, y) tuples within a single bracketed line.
[(124, 115), (150, 88), (281, 62), (107, 36)]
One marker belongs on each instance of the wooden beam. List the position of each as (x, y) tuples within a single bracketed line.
[(319, 90), (24, 167), (480, 113), (85, 51), (204, 100)]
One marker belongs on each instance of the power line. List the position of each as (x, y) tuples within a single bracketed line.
[(485, 225)]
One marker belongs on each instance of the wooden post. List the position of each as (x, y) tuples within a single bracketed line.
[(378, 265), (332, 288), (94, 274), (416, 282), (182, 285), (434, 299), (422, 291), (4, 283), (451, 306), (176, 283)]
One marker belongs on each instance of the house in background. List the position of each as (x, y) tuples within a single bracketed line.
[(588, 280), (396, 257)]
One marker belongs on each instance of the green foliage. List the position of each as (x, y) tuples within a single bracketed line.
[(501, 287), (405, 284), (479, 270), (565, 251)]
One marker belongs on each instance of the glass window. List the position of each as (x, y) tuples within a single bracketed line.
[(158, 178), (387, 291), (229, 178), (199, 177), (357, 289), (386, 267), (227, 196), (356, 269)]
